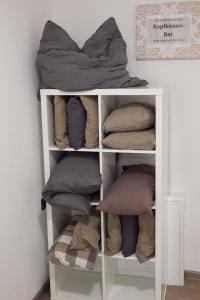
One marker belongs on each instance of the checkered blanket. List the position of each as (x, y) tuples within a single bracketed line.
[(62, 254)]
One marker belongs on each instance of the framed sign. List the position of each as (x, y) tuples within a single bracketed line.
[(168, 31)]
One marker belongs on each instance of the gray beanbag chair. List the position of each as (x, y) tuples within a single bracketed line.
[(101, 63)]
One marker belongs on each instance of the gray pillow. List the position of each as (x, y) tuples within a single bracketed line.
[(130, 231), (76, 116), (73, 203), (77, 173)]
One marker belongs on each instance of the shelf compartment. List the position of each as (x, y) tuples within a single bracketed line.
[(132, 288), (78, 285), (109, 104)]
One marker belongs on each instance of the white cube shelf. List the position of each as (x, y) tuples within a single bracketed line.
[(113, 277)]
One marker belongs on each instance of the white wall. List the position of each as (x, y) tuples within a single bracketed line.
[(181, 78), (22, 224)]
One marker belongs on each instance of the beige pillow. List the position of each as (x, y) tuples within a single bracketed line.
[(87, 234), (90, 104), (114, 235), (60, 122), (145, 248), (135, 140), (130, 117)]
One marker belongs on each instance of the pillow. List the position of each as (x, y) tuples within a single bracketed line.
[(60, 122), (75, 205), (76, 173), (134, 140), (130, 230), (145, 249), (131, 194), (130, 117), (101, 63), (114, 236), (76, 116), (90, 104), (87, 234)]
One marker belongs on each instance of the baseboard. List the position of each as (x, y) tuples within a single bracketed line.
[(41, 291), (192, 275)]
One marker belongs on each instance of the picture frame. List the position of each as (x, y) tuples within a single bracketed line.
[(168, 31)]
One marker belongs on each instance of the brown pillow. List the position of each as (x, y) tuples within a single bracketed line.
[(114, 236), (134, 140), (60, 122), (87, 234), (129, 117), (145, 248), (90, 104), (131, 194)]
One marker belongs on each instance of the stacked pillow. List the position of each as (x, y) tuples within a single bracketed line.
[(73, 182), (76, 122), (130, 126)]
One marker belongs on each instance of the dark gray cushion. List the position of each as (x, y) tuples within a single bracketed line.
[(77, 173), (130, 231), (73, 203), (76, 116), (101, 63)]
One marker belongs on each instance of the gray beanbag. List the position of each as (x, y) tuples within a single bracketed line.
[(76, 116), (73, 203), (77, 173), (101, 63)]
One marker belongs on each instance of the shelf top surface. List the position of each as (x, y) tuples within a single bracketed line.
[(143, 91)]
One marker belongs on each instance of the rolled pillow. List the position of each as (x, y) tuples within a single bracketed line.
[(131, 194), (76, 116), (130, 117), (74, 204), (145, 248), (114, 235), (90, 104), (60, 122), (133, 140), (130, 230), (76, 173)]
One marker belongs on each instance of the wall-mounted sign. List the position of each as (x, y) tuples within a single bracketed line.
[(168, 30)]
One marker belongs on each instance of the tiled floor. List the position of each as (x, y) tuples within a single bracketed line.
[(191, 290)]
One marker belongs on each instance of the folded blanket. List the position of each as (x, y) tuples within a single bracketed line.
[(62, 254)]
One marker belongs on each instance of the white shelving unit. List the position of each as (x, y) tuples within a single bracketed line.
[(113, 278)]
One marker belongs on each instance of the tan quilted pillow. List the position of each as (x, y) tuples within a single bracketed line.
[(90, 104), (130, 117), (135, 140), (145, 248), (114, 235), (60, 122)]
